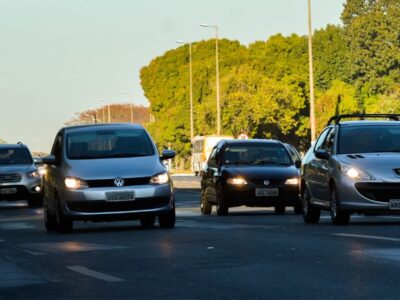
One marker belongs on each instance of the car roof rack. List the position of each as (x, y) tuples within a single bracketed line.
[(338, 118)]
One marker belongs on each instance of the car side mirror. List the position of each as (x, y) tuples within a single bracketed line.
[(297, 164), (38, 161), (322, 154), (50, 160), (167, 154)]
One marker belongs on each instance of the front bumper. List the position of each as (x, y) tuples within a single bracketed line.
[(91, 203), (22, 190)]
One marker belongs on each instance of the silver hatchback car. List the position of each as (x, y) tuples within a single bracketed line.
[(354, 167), (106, 172)]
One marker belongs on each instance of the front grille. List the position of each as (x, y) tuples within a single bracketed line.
[(104, 206), (110, 182), (272, 182), (5, 178), (381, 192)]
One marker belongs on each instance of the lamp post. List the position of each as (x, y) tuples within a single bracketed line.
[(217, 75), (190, 89), (131, 103), (311, 74)]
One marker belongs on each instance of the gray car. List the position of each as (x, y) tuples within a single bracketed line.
[(106, 172), (20, 178), (354, 167)]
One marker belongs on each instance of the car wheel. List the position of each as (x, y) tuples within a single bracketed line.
[(205, 206), (311, 213), (222, 206), (35, 201), (167, 220), (64, 224), (338, 216), (280, 209), (148, 221), (50, 222)]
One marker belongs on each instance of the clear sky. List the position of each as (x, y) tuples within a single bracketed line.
[(59, 57)]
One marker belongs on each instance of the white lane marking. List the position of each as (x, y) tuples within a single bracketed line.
[(15, 226), (187, 213), (1, 240), (371, 237), (33, 252), (94, 274)]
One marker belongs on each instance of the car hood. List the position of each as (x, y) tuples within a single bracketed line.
[(263, 172), (10, 169), (379, 165), (130, 167)]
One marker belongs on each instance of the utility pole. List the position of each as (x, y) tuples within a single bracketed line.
[(311, 74)]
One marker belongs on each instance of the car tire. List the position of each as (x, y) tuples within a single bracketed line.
[(205, 206), (280, 209), (64, 225), (338, 215), (50, 221), (167, 220), (147, 221), (222, 206), (35, 201), (311, 214)]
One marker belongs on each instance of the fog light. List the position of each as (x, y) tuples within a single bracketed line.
[(38, 189)]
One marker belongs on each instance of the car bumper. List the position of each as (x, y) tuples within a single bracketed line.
[(91, 203), (21, 190)]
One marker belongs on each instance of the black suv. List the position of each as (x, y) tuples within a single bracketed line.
[(20, 178), (258, 173)]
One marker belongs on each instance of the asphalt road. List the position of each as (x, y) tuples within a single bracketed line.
[(251, 253)]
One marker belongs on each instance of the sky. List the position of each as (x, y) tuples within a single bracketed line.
[(60, 57)]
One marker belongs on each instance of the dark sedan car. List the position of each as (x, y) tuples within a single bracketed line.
[(258, 173)]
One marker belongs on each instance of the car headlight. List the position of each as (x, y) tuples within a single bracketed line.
[(236, 181), (355, 173), (292, 181), (33, 174), (160, 178), (75, 183), (42, 170)]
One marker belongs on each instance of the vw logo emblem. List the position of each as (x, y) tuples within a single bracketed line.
[(266, 182), (119, 181)]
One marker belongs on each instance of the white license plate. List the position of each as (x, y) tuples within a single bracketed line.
[(120, 196), (8, 191), (394, 204), (267, 192)]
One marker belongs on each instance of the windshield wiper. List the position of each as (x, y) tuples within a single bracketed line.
[(238, 162), (263, 162), (126, 155)]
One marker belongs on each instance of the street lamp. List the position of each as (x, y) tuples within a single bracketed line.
[(310, 59), (217, 75), (131, 103), (190, 89)]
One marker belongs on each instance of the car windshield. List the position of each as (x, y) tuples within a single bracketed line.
[(369, 139), (108, 144), (257, 154), (15, 156)]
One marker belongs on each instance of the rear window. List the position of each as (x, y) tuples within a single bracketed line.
[(15, 156), (369, 139), (108, 144)]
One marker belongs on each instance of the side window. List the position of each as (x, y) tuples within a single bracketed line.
[(320, 142), (329, 141), (212, 161), (57, 147)]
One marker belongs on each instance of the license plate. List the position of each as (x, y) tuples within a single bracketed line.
[(267, 192), (120, 196), (394, 204), (8, 191)]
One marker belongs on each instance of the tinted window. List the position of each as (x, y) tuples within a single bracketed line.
[(15, 156), (369, 139), (256, 153), (321, 139), (108, 144), (212, 161)]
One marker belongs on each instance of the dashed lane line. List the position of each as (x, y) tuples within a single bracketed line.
[(94, 274), (371, 237)]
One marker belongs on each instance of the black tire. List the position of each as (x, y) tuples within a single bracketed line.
[(280, 209), (205, 206), (311, 214), (50, 221), (147, 221), (338, 215), (64, 225), (167, 220), (222, 206), (35, 201)]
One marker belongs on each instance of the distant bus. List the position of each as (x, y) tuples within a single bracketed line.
[(201, 149)]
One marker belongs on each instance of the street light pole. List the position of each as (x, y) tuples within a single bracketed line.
[(217, 75), (311, 74), (190, 90)]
